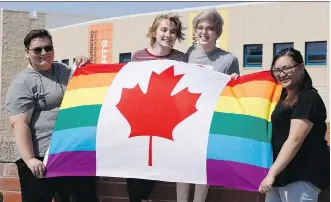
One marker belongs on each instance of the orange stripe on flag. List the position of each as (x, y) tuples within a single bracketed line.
[(261, 89), (91, 81)]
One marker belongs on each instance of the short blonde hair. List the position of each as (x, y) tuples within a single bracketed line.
[(213, 16), (172, 18)]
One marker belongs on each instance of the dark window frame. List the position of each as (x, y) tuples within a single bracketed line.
[(121, 55), (319, 53), (246, 57), (283, 43)]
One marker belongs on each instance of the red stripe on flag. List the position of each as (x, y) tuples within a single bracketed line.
[(98, 68), (258, 76)]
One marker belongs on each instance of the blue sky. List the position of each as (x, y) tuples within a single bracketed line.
[(104, 9)]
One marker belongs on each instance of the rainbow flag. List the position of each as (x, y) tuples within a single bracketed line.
[(244, 107), (165, 120), (74, 136)]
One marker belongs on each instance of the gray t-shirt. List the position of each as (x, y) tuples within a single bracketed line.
[(219, 59), (43, 94)]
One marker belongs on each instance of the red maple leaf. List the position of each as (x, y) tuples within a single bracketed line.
[(157, 113)]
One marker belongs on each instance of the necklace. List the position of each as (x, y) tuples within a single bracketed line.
[(42, 84)]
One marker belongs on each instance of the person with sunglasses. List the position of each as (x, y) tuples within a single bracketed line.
[(32, 103), (301, 167)]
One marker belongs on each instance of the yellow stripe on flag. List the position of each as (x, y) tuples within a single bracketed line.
[(252, 106), (84, 96)]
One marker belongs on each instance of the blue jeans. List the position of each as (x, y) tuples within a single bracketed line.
[(299, 191)]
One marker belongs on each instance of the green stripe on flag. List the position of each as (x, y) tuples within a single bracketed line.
[(241, 126), (75, 117)]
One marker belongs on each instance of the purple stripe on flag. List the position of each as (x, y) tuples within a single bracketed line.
[(82, 163), (235, 175)]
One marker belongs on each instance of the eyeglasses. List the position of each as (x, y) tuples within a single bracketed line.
[(38, 50), (285, 70), (208, 28)]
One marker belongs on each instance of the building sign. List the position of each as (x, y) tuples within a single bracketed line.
[(222, 42), (100, 43)]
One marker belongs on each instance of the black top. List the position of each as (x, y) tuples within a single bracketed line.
[(312, 162)]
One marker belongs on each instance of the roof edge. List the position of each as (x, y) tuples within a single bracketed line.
[(159, 12)]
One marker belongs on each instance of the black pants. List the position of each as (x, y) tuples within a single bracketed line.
[(68, 189), (139, 189)]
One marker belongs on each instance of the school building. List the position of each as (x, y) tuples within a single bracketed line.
[(254, 32)]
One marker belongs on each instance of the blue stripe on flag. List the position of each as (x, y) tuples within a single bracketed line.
[(237, 149), (76, 139)]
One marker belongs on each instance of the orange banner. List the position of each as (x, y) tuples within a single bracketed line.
[(100, 43)]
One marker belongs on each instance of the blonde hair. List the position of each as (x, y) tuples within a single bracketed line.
[(172, 18), (213, 16)]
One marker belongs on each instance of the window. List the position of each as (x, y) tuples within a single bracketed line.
[(280, 46), (253, 55), (125, 57), (315, 53), (65, 61)]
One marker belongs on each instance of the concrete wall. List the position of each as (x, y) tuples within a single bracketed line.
[(15, 25)]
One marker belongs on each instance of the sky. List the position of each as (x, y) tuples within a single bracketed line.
[(104, 9)]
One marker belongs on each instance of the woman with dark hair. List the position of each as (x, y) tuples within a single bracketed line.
[(301, 167)]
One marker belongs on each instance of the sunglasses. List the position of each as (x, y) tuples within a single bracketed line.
[(38, 50)]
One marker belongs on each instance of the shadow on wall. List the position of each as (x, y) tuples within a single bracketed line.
[(1, 197)]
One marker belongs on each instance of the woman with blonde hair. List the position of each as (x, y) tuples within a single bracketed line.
[(207, 27), (163, 33)]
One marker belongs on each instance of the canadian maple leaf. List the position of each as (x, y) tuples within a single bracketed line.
[(157, 112)]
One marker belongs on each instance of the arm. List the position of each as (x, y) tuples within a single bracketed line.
[(22, 133), (20, 106), (298, 132), (304, 113)]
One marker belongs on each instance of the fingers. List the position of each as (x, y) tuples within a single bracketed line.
[(264, 189), (81, 61), (37, 168), (41, 170), (37, 171), (234, 76), (267, 189), (34, 171)]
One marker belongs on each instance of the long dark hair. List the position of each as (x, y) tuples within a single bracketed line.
[(305, 83)]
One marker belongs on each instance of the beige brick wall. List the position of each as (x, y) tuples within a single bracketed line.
[(296, 22), (258, 23), (14, 26), (68, 46)]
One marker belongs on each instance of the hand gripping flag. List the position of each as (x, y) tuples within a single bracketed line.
[(165, 120)]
